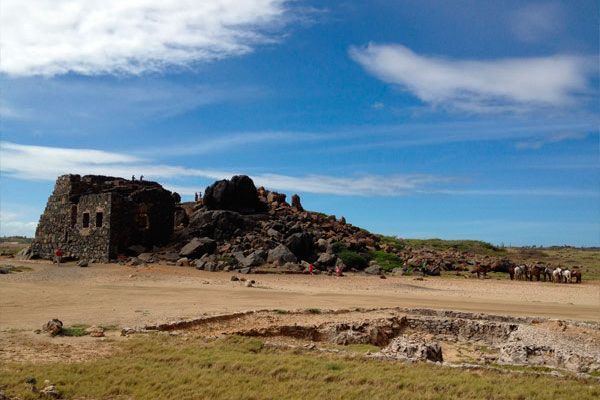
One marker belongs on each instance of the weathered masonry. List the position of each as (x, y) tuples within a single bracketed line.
[(100, 217)]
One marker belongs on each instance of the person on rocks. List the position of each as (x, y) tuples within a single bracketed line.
[(141, 178), (58, 256), (132, 178)]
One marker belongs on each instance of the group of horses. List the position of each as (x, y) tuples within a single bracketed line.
[(547, 274)]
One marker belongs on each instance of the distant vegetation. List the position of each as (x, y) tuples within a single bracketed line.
[(16, 239), (471, 246)]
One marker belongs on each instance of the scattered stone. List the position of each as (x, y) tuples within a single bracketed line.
[(53, 327), (95, 331), (183, 262), (249, 283), (147, 257), (51, 391), (234, 278), (82, 263), (6, 269)]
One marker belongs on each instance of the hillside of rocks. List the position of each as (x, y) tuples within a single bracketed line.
[(236, 226)]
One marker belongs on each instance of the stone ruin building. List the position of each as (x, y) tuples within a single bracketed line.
[(101, 217)]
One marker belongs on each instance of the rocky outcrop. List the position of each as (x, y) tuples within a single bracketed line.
[(237, 194)]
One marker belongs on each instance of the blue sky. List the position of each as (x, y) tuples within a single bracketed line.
[(462, 119)]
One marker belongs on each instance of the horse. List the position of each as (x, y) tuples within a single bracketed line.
[(536, 271), (547, 274), (480, 270), (566, 275), (519, 272), (576, 274), (557, 275)]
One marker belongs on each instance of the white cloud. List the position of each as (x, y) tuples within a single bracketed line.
[(50, 37), (46, 163), (13, 224), (537, 21), (510, 84), (537, 143)]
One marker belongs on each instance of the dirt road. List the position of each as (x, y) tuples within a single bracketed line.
[(110, 294)]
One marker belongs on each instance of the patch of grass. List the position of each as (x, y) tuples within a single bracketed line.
[(165, 367), (471, 246), (314, 310), (75, 330), (362, 348), (279, 311), (386, 261)]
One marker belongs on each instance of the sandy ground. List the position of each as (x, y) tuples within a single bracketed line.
[(110, 294)]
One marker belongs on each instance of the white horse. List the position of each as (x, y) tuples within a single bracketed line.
[(566, 274), (557, 275), (519, 272)]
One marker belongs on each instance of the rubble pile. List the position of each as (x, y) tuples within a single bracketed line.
[(237, 226)]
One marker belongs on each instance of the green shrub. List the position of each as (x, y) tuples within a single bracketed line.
[(387, 261), (75, 330), (353, 259)]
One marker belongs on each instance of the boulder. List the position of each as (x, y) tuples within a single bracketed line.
[(326, 259), (237, 194), (53, 327), (198, 247), (302, 245), (412, 349), (147, 257), (281, 255), (217, 224), (183, 262), (373, 270), (82, 263), (296, 203), (51, 391), (24, 254), (253, 259)]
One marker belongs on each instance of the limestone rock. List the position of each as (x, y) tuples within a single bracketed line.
[(412, 349)]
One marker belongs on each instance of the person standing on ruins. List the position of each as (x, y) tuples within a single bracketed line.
[(58, 256)]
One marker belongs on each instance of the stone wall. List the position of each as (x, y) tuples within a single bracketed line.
[(97, 217)]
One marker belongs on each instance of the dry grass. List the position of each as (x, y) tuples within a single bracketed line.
[(587, 259), (163, 367)]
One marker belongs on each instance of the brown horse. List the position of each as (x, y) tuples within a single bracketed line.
[(535, 270), (576, 274)]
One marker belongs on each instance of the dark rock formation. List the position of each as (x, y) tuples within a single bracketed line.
[(238, 194)]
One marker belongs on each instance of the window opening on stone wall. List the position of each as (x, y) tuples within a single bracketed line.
[(142, 221), (73, 215), (86, 220), (99, 219)]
